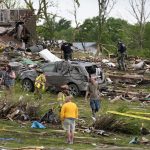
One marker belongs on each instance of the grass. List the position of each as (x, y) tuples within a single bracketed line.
[(53, 137)]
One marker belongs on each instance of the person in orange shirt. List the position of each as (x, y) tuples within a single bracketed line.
[(69, 112)]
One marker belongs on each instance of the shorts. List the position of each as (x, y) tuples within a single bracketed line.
[(95, 105), (69, 124)]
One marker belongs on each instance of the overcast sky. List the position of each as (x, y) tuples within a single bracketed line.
[(89, 9)]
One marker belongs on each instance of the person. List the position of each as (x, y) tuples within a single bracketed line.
[(9, 79), (40, 82), (62, 95), (69, 112), (67, 51), (94, 94), (121, 56)]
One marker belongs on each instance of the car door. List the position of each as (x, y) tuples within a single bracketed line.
[(76, 75), (53, 78)]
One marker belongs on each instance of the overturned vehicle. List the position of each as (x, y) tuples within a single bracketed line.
[(73, 73)]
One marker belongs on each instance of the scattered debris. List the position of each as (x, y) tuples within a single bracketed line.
[(111, 123), (134, 141), (50, 117), (139, 65), (18, 111)]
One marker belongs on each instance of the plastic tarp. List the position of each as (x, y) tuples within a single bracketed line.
[(37, 125), (27, 61), (47, 55)]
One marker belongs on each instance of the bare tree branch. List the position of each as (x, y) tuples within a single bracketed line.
[(105, 7), (9, 4), (139, 12)]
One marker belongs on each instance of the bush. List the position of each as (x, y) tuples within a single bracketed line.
[(145, 53)]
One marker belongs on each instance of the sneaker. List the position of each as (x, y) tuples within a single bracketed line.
[(71, 142)]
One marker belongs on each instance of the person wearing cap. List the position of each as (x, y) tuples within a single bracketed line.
[(9, 79), (68, 115), (62, 95), (40, 84), (94, 96)]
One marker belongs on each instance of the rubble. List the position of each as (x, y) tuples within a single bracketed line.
[(18, 111), (112, 124)]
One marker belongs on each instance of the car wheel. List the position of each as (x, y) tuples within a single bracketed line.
[(28, 85), (74, 90)]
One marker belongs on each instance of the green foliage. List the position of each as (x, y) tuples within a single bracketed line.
[(65, 34), (147, 36), (62, 24), (144, 53), (113, 29)]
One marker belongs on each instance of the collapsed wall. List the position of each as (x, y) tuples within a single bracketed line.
[(17, 25)]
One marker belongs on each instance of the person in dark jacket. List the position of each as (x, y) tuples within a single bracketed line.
[(67, 51), (121, 55)]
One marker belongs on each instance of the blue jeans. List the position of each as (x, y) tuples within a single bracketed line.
[(95, 105)]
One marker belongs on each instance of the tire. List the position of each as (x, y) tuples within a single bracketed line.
[(74, 90), (27, 85)]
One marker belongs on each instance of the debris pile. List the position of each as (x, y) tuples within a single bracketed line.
[(110, 123), (18, 111)]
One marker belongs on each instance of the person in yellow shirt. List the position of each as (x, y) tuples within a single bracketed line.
[(39, 84), (62, 95), (69, 112)]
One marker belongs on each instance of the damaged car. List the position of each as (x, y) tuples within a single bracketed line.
[(73, 73)]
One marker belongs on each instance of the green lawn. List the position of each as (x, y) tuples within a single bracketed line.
[(53, 136)]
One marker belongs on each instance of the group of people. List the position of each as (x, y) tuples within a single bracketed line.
[(121, 53), (69, 110)]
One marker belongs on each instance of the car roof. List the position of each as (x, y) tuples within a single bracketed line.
[(82, 63)]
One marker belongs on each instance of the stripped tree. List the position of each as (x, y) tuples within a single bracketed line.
[(105, 7), (141, 14), (42, 13), (76, 5)]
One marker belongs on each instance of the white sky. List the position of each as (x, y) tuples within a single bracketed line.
[(89, 9)]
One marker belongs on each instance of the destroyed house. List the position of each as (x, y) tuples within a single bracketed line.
[(12, 19)]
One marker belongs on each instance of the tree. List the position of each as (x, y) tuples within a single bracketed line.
[(62, 24), (9, 4), (76, 5), (87, 30), (146, 36), (41, 11), (105, 7), (139, 12)]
